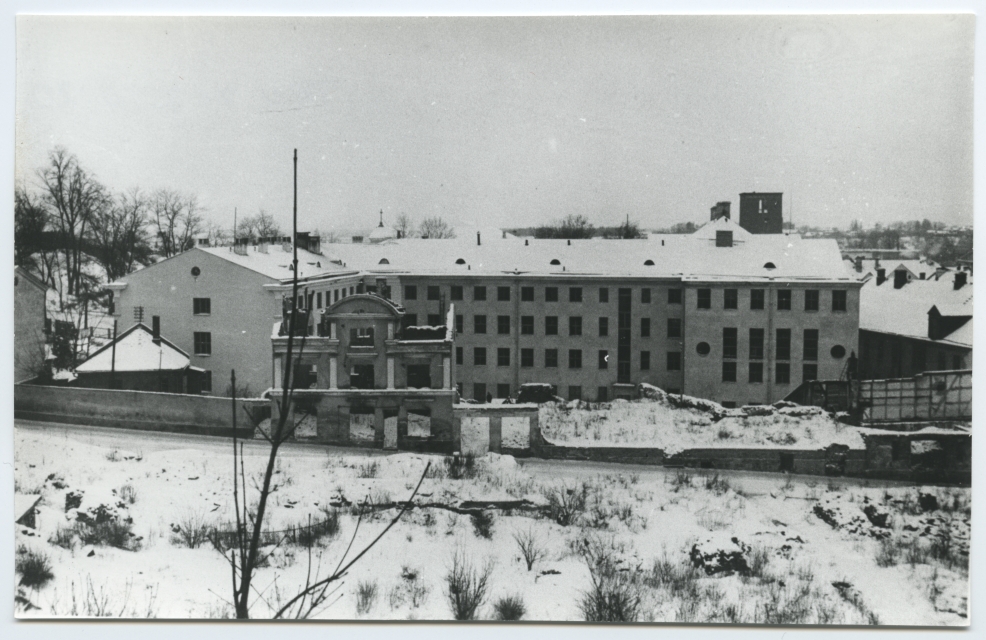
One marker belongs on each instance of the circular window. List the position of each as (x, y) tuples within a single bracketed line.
[(556, 261), (703, 348), (196, 272), (648, 263), (838, 351)]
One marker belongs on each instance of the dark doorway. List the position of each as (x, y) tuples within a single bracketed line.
[(419, 376), (361, 377)]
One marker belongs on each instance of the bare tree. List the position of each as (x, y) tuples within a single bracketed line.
[(75, 197), (118, 235), (30, 224), (404, 225), (266, 226), (436, 228), (244, 554), (571, 226), (177, 219)]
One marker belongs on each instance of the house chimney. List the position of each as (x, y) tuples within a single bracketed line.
[(156, 329), (960, 277), (479, 240), (859, 264), (525, 242), (569, 243), (399, 234), (900, 278), (881, 276), (504, 235)]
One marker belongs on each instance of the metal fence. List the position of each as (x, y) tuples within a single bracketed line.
[(929, 396)]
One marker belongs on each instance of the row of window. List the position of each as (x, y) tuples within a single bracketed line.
[(322, 299), (673, 361), (782, 344), (480, 293), (483, 392), (550, 325), (785, 299), (782, 372)]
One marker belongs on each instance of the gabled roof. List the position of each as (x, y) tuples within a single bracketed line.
[(29, 277), (136, 351), (904, 311), (276, 262)]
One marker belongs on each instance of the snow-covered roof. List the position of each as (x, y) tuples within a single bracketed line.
[(276, 262), (694, 256), (904, 311), (136, 351), (27, 276), (915, 266)]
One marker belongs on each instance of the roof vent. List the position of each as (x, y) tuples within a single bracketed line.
[(556, 261), (648, 263), (525, 242), (960, 280), (384, 261), (460, 261), (769, 265), (569, 243)]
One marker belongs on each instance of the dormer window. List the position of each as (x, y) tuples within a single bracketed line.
[(384, 261), (769, 265), (648, 263), (460, 261), (556, 261), (724, 238)]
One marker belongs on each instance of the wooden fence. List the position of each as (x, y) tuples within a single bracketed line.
[(928, 396)]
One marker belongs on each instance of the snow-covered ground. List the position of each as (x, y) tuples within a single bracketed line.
[(836, 552), (675, 423)]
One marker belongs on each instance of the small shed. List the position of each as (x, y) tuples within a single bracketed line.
[(140, 361)]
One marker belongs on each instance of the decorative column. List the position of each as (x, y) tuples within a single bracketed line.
[(390, 330), (278, 372), (332, 331), (446, 373), (390, 373), (333, 374)]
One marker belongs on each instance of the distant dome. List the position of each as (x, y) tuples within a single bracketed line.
[(382, 233)]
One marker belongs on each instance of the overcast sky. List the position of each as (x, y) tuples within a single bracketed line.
[(511, 122)]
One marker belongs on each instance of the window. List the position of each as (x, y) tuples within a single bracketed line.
[(956, 362), (575, 294), (811, 299), (335, 296), (503, 294), (838, 300), (503, 325), (784, 300), (202, 306), (352, 290), (783, 344), (418, 376), (551, 325), (603, 327), (811, 344), (410, 319), (410, 292), (456, 293), (603, 359), (319, 299), (729, 342), (479, 356), (479, 293), (783, 375), (459, 322), (503, 357), (479, 391), (729, 371), (756, 344), (527, 325), (551, 294), (703, 348), (458, 388), (809, 371), (527, 294), (551, 357), (575, 358), (756, 372), (730, 299), (527, 357), (674, 296), (361, 336), (458, 355), (574, 392), (645, 296), (575, 325), (645, 327), (838, 351), (756, 299), (502, 390), (479, 324), (435, 320), (645, 360), (602, 394), (433, 292), (203, 343), (674, 327), (705, 298), (603, 294), (674, 361)]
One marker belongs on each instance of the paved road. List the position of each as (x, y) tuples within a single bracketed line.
[(144, 441)]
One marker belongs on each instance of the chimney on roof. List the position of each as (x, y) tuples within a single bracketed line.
[(721, 210), (399, 234), (881, 276), (960, 280), (479, 240), (900, 278), (504, 235), (859, 264), (570, 242), (525, 242), (156, 329)]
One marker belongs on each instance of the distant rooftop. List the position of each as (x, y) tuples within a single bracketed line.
[(276, 262), (136, 351), (904, 311)]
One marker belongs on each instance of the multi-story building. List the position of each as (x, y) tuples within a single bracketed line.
[(29, 325), (762, 212), (721, 313)]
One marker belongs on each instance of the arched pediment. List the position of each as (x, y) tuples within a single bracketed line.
[(364, 304)]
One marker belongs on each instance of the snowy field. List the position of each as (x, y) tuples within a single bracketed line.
[(768, 549)]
